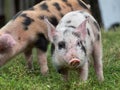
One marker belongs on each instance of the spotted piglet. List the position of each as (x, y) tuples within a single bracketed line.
[(74, 40), (27, 30)]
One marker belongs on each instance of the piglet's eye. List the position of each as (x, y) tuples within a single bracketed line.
[(61, 45)]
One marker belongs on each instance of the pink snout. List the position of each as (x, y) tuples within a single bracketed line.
[(74, 62)]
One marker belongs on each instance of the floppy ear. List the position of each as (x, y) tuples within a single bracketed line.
[(51, 29), (81, 29)]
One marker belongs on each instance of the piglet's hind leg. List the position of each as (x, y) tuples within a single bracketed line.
[(97, 56)]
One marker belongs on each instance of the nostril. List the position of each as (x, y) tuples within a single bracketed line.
[(74, 62)]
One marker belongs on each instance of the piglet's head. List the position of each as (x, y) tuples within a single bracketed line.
[(6, 42), (80, 30), (69, 45), (76, 59)]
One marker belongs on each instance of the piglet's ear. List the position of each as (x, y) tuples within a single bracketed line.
[(51, 29), (81, 29)]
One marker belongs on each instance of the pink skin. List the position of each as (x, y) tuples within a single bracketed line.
[(71, 57), (72, 52), (42, 60), (7, 43), (9, 47), (74, 56)]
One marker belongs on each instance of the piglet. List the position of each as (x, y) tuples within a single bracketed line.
[(76, 38), (27, 30)]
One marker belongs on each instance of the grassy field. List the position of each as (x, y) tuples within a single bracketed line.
[(15, 76)]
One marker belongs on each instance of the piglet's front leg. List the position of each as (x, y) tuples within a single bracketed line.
[(42, 59), (83, 71)]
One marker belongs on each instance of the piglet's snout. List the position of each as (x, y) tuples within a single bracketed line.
[(74, 62), (71, 56)]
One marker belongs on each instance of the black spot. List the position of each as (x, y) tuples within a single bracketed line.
[(41, 17), (53, 20), (61, 15), (61, 45), (76, 34), (44, 6), (27, 21), (19, 38), (52, 48), (42, 42), (65, 31), (71, 26), (68, 4), (88, 31), (98, 37), (83, 47), (64, 0), (85, 16), (82, 4), (18, 14), (57, 6), (81, 11), (24, 15), (96, 25), (68, 21), (31, 8)]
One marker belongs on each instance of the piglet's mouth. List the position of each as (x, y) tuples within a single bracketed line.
[(74, 62)]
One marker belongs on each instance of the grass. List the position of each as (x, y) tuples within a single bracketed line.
[(15, 76)]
